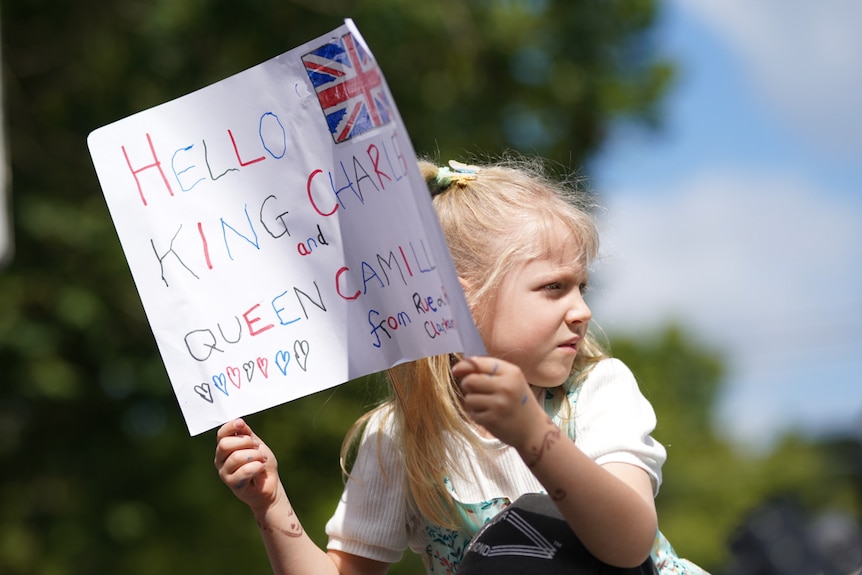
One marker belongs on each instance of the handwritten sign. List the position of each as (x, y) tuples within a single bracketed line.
[(279, 232)]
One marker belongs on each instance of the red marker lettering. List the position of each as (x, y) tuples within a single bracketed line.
[(338, 285), (236, 151), (251, 321), (156, 164), (311, 197)]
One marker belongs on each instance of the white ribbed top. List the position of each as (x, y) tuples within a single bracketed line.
[(613, 422)]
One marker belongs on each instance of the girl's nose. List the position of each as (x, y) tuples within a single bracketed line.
[(579, 311)]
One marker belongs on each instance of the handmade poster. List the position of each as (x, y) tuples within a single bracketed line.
[(279, 232)]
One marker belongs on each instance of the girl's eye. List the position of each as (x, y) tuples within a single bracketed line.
[(554, 286), (584, 288)]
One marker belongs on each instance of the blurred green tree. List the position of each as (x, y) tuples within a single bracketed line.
[(710, 485)]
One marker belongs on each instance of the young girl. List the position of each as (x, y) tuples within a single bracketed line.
[(461, 439)]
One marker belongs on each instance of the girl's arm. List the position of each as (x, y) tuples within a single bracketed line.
[(249, 468), (609, 507)]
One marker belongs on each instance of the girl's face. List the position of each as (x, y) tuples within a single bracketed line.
[(539, 318)]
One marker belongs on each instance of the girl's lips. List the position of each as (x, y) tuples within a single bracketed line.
[(573, 343)]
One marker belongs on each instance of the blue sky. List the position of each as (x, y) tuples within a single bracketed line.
[(742, 217)]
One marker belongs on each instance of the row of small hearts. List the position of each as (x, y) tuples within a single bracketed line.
[(234, 375)]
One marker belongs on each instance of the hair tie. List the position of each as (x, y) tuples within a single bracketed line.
[(456, 172)]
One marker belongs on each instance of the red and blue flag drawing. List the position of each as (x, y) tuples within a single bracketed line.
[(349, 87)]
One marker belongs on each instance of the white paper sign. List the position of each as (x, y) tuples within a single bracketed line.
[(279, 233)]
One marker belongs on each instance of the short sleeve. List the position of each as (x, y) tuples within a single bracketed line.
[(614, 421), (371, 518)]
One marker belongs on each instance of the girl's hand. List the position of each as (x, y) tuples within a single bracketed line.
[(247, 466), (498, 397)]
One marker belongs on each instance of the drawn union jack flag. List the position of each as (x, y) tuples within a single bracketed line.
[(349, 87)]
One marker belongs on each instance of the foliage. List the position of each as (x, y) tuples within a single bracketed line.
[(710, 486)]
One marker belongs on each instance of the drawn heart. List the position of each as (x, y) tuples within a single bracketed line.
[(300, 350), (263, 366), (248, 367), (282, 358), (204, 391), (233, 374), (220, 382)]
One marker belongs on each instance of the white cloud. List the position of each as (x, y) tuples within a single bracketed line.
[(804, 57), (738, 247), (764, 266)]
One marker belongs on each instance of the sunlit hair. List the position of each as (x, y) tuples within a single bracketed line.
[(506, 215)]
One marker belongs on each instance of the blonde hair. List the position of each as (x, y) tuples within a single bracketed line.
[(503, 216)]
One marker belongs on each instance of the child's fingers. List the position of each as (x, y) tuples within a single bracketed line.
[(477, 365), (243, 477), (491, 385), (244, 458), (245, 462), (235, 427), (487, 375), (238, 475), (233, 437), (231, 444)]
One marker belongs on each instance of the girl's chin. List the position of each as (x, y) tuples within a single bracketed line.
[(552, 379), (549, 383)]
